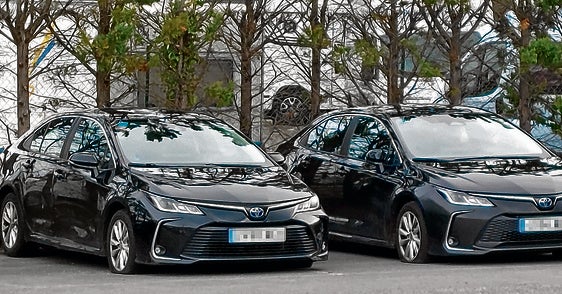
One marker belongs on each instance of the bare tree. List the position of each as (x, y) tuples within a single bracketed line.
[(380, 33), (102, 36), (25, 20), (522, 22), (247, 31), (451, 25)]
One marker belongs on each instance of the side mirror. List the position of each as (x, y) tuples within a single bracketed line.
[(84, 160), (374, 155), (277, 157)]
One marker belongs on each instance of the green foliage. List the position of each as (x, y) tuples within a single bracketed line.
[(219, 94), (188, 27), (338, 55), (112, 51), (548, 4), (428, 70), (367, 51), (314, 37), (544, 52)]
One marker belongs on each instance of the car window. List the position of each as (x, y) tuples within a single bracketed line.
[(328, 136), (464, 135), (369, 135), (50, 138), (89, 137), (182, 141)]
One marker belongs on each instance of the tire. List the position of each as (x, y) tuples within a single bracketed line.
[(412, 241), (12, 227), (120, 244), (290, 106)]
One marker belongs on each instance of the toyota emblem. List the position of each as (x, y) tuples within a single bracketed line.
[(545, 203), (256, 213)]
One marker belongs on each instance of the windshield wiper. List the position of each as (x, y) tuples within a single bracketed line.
[(430, 159), (476, 158), (139, 164), (498, 157)]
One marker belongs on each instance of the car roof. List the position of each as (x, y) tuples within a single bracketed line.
[(135, 113), (402, 110)]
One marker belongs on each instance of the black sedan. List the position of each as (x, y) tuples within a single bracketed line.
[(431, 180), (154, 187)]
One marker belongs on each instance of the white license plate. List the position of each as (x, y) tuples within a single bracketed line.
[(256, 235), (543, 224)]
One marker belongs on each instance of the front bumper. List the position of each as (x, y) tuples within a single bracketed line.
[(186, 239), (465, 230)]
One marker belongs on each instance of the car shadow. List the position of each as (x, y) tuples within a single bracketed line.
[(492, 258), (368, 250), (94, 262)]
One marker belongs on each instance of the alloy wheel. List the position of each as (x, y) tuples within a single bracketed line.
[(409, 236), (119, 245), (10, 228)]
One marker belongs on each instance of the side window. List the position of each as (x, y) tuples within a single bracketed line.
[(36, 139), (328, 136), (50, 138), (89, 137), (371, 135)]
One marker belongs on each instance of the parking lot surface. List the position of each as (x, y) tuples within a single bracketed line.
[(351, 269)]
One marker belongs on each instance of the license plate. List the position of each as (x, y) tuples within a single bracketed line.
[(256, 235), (543, 224)]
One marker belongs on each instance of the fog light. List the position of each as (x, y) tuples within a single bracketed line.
[(324, 246), (160, 250), (452, 241)]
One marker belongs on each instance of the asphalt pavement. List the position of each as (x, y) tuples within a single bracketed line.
[(350, 269)]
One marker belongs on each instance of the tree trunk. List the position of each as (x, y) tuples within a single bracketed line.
[(393, 57), (455, 93), (103, 87), (315, 61), (525, 99), (23, 85), (246, 93), (247, 33), (103, 74)]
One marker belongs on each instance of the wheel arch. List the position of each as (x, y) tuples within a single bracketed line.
[(111, 209), (399, 201), (5, 190)]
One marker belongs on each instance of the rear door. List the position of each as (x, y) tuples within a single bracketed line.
[(317, 163), (38, 167)]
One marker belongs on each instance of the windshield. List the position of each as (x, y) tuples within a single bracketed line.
[(458, 136), (185, 142)]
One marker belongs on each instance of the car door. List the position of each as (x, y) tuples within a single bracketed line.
[(317, 164), (371, 177), (81, 192), (38, 166)]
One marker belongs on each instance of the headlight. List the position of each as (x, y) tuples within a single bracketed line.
[(171, 205), (311, 204), (461, 198)]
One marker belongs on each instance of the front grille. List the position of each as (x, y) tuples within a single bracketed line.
[(212, 242), (506, 229)]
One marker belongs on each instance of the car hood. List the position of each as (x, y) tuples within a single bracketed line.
[(515, 177), (223, 185)]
